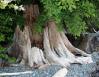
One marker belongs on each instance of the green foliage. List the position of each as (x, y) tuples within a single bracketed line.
[(9, 19), (75, 24), (40, 22), (2, 48), (7, 58), (74, 13), (88, 9), (11, 59)]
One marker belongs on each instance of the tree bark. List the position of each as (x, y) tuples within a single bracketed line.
[(30, 14), (28, 45), (56, 49)]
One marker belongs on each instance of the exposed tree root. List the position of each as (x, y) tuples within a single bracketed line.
[(70, 46), (57, 48), (50, 55)]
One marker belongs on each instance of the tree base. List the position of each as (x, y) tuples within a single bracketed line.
[(57, 48)]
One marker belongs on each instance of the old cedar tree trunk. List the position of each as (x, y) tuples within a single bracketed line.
[(49, 47)]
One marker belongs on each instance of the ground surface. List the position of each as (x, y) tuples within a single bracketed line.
[(75, 70)]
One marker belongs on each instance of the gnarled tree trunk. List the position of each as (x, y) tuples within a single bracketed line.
[(56, 46)]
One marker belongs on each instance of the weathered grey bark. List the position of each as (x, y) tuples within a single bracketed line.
[(56, 45), (57, 48), (36, 57), (50, 55), (71, 47), (53, 43), (28, 55)]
